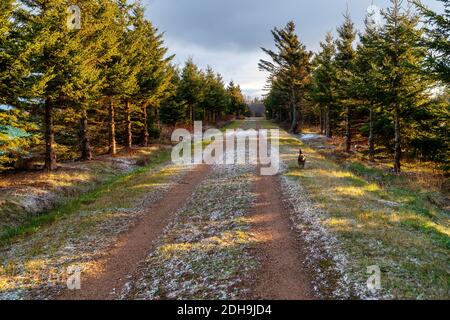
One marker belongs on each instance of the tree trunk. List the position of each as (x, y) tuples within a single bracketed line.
[(300, 120), (191, 113), (145, 134), (85, 147), (371, 137), (50, 156), (329, 133), (294, 113), (129, 134), (322, 121), (112, 129), (398, 142), (157, 119), (348, 134)]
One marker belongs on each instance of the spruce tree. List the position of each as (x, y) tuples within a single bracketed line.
[(155, 72), (172, 107), (344, 61), (324, 84), (405, 89), (50, 48), (437, 40), (119, 77), (214, 100), (367, 75), (291, 65), (16, 127), (236, 100), (191, 88), (9, 42), (87, 82)]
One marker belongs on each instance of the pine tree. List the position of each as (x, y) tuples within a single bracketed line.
[(172, 107), (16, 127), (87, 82), (237, 103), (345, 59), (214, 100), (404, 87), (119, 77), (324, 85), (367, 75), (277, 103), (291, 65), (437, 40), (51, 45), (191, 87), (9, 39), (155, 72)]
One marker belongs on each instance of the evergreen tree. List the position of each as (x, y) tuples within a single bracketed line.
[(323, 90), (9, 42), (50, 47), (172, 111), (155, 74), (277, 103), (215, 99), (120, 78), (404, 87), (237, 103), (191, 88), (367, 75), (438, 40), (344, 62), (87, 83), (291, 66)]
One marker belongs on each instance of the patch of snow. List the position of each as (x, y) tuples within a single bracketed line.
[(311, 136), (390, 204)]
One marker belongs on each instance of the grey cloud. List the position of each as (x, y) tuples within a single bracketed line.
[(227, 28)]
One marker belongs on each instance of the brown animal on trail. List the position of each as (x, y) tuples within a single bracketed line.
[(301, 160)]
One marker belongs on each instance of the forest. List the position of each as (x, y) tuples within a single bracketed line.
[(68, 93), (388, 83)]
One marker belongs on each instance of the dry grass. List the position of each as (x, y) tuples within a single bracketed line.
[(34, 265), (416, 175), (25, 195), (378, 224)]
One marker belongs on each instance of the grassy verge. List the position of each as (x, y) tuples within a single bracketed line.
[(384, 225), (80, 233), (34, 223)]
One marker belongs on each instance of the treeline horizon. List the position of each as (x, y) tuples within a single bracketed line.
[(388, 82), (70, 92)]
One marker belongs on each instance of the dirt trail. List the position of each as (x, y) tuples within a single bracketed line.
[(282, 275), (133, 247)]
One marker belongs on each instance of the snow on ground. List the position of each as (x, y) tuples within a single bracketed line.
[(204, 253), (36, 267), (311, 136), (325, 255)]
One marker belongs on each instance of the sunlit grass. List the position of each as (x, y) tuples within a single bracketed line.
[(98, 198), (378, 224)]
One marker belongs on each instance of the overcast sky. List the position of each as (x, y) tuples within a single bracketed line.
[(228, 34)]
